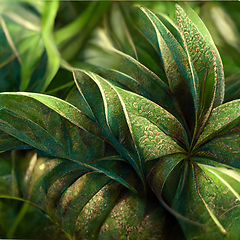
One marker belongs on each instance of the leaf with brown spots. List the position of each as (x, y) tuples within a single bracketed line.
[(222, 119), (205, 199), (108, 109)]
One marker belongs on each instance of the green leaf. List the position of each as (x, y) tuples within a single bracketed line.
[(119, 31), (67, 111), (159, 174), (48, 18), (86, 204), (153, 127), (222, 119), (75, 98), (181, 76), (133, 76), (204, 34), (17, 12), (10, 143), (205, 199), (26, 122), (225, 148), (64, 190), (132, 218), (35, 122), (206, 62), (108, 109), (31, 50), (9, 39)]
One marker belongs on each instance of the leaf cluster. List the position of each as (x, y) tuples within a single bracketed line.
[(143, 146)]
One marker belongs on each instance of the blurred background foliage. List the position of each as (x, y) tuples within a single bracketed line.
[(42, 41)]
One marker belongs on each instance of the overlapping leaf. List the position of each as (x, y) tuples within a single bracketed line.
[(194, 146), (134, 76), (153, 127), (85, 211), (205, 59), (225, 148), (187, 69), (27, 119), (222, 119), (111, 118), (39, 115), (181, 76), (205, 199)]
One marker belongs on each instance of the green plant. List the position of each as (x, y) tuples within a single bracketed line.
[(126, 143)]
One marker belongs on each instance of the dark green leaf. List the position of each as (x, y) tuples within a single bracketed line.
[(204, 35), (152, 126), (206, 61), (133, 75), (76, 99), (64, 190), (225, 148), (181, 76), (205, 199), (108, 109), (35, 123), (222, 119)]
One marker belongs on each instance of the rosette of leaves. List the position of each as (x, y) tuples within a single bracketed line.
[(127, 142)]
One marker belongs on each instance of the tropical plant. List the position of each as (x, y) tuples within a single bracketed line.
[(131, 153)]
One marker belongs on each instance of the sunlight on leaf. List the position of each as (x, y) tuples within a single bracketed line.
[(10, 41)]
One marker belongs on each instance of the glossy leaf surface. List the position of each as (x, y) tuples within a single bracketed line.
[(153, 128), (132, 139), (27, 119), (225, 148), (89, 211), (222, 119), (110, 117)]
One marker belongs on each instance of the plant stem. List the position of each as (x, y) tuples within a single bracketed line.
[(18, 219)]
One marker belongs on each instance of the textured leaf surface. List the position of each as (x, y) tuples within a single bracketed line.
[(202, 34), (222, 119), (32, 119), (108, 110), (66, 110), (206, 61), (101, 209), (181, 76), (205, 199), (153, 127), (136, 77), (34, 123), (225, 148)]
